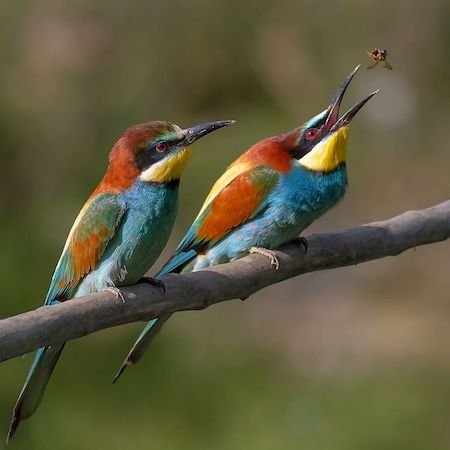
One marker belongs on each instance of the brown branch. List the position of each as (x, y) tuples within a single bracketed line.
[(70, 320)]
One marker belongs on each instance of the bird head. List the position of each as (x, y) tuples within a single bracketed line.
[(321, 143), (154, 152)]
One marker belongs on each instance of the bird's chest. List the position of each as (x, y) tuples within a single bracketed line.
[(151, 213), (302, 196), (149, 205)]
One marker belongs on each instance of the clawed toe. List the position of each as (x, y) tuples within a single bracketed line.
[(302, 242), (116, 292), (268, 254)]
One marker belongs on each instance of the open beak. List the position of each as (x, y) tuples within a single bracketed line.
[(198, 131), (333, 121)]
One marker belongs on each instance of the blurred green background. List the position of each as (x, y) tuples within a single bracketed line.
[(355, 358)]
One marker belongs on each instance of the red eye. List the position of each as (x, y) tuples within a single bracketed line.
[(161, 147), (311, 134)]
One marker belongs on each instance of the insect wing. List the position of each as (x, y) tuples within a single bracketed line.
[(387, 65)]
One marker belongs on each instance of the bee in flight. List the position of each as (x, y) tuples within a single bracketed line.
[(378, 55)]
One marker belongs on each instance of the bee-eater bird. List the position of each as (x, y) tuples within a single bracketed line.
[(266, 198), (120, 231)]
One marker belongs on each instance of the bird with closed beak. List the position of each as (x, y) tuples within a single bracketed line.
[(120, 231)]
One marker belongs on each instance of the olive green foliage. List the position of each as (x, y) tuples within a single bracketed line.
[(348, 359)]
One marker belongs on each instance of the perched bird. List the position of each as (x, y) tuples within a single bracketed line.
[(266, 198), (119, 232)]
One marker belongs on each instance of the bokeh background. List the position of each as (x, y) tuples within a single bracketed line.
[(352, 358)]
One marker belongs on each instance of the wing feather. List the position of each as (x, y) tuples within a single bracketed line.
[(233, 171), (93, 229), (239, 200)]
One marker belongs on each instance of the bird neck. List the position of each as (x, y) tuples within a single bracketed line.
[(329, 154), (168, 170), (121, 173)]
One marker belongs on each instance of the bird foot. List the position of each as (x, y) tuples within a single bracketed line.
[(154, 282), (116, 292), (302, 242), (268, 254)]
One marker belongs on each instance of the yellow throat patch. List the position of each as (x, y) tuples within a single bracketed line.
[(168, 169), (328, 154)]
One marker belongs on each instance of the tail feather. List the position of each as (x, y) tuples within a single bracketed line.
[(175, 265), (33, 390), (143, 341)]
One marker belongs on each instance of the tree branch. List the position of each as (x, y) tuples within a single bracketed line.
[(239, 279)]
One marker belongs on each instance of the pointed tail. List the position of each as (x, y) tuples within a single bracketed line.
[(143, 341), (175, 265), (33, 390)]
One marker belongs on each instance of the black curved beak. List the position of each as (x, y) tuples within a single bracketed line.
[(198, 131), (333, 122)]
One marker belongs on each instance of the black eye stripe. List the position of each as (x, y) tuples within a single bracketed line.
[(146, 158), (151, 155), (304, 146)]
